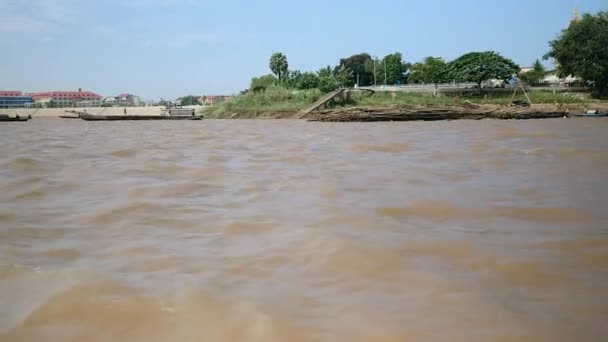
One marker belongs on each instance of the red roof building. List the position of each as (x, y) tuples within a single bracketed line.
[(11, 93), (67, 95)]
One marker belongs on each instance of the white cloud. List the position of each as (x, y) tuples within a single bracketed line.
[(35, 16)]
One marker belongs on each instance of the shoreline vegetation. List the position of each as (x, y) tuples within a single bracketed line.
[(279, 102), (575, 51)]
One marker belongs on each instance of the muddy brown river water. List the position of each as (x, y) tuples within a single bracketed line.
[(283, 230)]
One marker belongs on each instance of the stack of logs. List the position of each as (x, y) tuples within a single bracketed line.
[(434, 112)]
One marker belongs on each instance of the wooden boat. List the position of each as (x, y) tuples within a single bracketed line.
[(91, 117), (178, 111), (174, 113), (70, 114), (591, 113), (6, 117)]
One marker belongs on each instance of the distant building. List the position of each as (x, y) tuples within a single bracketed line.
[(64, 99), (14, 99), (552, 79), (212, 99), (123, 100), (526, 69), (129, 100)]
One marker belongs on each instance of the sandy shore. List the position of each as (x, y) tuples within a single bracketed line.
[(55, 112)]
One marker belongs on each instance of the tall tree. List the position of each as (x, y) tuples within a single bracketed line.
[(278, 65), (482, 66), (535, 75), (582, 50), (325, 72), (303, 80), (357, 66), (396, 68), (432, 70)]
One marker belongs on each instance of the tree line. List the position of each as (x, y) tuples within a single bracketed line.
[(581, 50), (364, 70), (360, 69)]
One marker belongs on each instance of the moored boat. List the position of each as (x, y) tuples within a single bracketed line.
[(172, 113), (91, 117), (178, 112), (6, 117), (591, 113), (70, 114)]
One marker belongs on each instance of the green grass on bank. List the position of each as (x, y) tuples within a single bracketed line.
[(272, 99), (503, 98), (278, 99)]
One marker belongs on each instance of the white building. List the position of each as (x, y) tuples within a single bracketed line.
[(552, 79)]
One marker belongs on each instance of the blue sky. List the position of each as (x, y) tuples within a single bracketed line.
[(168, 48)]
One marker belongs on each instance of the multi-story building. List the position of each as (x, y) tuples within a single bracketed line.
[(62, 99), (14, 99)]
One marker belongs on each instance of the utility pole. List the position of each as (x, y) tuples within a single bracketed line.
[(375, 71), (384, 73)]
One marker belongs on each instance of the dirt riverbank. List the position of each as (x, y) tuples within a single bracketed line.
[(428, 112)]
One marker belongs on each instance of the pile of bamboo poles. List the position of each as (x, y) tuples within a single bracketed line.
[(434, 112)]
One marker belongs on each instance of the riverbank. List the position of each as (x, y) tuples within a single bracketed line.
[(281, 104), (468, 111), (278, 103)]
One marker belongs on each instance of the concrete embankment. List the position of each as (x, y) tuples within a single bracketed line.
[(55, 112)]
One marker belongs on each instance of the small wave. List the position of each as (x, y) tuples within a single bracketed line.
[(179, 190), (542, 214), (241, 227), (522, 274), (7, 217), (531, 194), (342, 256), (382, 148), (124, 153), (137, 209), (24, 164), (112, 311), (589, 252), (20, 183), (445, 211), (430, 210), (63, 254), (30, 195), (35, 232)]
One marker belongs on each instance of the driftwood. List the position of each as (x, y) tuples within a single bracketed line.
[(433, 113)]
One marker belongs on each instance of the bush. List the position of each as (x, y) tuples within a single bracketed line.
[(262, 83), (328, 84), (274, 98)]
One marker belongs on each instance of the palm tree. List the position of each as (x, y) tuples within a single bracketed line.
[(279, 65)]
